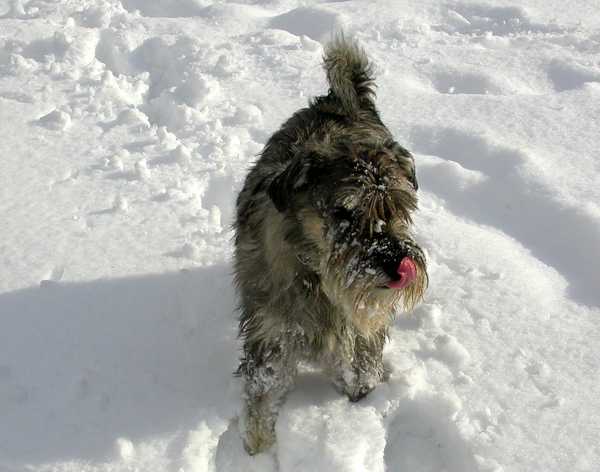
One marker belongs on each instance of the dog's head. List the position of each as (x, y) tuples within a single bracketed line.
[(349, 205)]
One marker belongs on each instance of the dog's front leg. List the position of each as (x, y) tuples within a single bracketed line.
[(359, 374), (269, 373)]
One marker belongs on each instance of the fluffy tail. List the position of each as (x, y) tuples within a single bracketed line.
[(350, 74)]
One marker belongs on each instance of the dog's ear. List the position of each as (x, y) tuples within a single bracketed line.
[(288, 182), (406, 158)]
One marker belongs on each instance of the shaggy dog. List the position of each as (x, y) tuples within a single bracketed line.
[(323, 249)]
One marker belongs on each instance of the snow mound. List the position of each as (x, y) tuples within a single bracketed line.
[(56, 120), (521, 213), (313, 433), (317, 23)]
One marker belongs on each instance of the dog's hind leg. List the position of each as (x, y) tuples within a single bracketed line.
[(269, 372)]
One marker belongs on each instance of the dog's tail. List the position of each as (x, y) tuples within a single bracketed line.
[(350, 74)]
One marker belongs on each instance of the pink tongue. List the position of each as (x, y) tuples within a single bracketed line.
[(407, 270)]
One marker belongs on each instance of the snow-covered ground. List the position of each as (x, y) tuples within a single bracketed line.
[(126, 129)]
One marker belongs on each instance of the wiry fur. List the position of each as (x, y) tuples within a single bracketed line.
[(350, 75), (322, 222)]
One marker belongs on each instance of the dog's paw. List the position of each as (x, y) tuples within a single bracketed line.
[(359, 392), (257, 443), (357, 385)]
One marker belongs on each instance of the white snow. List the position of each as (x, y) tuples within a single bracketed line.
[(126, 130)]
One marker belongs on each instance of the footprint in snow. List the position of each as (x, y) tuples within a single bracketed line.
[(473, 18), (568, 76), (423, 436), (467, 82), (539, 373)]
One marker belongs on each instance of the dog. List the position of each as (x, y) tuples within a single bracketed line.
[(324, 253)]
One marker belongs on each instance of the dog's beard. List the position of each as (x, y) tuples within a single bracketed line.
[(351, 280)]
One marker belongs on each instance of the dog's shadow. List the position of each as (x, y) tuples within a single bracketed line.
[(82, 364)]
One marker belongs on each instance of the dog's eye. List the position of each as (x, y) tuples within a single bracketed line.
[(341, 213)]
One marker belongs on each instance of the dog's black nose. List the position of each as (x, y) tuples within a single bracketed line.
[(387, 257), (390, 267)]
